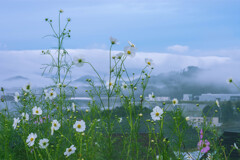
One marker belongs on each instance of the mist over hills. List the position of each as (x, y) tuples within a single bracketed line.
[(187, 81), (176, 83), (18, 78), (171, 84)]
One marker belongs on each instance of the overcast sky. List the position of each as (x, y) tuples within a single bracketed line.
[(175, 33)]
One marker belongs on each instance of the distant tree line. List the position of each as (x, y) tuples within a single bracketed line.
[(228, 111)]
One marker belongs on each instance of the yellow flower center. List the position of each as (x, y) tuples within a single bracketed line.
[(70, 149), (36, 111), (157, 114), (128, 52), (31, 139), (55, 125), (79, 126), (44, 143), (174, 102), (51, 94), (132, 45), (149, 63), (110, 84)]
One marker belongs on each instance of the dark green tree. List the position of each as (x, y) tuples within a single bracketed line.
[(211, 111), (227, 111)]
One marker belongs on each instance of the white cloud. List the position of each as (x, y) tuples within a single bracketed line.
[(28, 63), (178, 48)]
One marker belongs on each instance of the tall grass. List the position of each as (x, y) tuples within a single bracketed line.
[(104, 131)]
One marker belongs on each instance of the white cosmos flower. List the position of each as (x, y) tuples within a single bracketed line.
[(79, 126), (149, 61), (46, 93), (37, 110), (229, 80), (55, 124), (124, 86), (131, 44), (43, 143), (31, 139), (129, 51), (16, 97), (109, 85), (217, 103), (151, 96), (73, 107), (25, 117), (52, 94), (209, 157), (79, 61), (70, 150), (156, 114), (119, 55), (15, 122), (27, 87), (52, 130), (120, 119), (59, 85), (235, 145), (175, 101), (113, 40)]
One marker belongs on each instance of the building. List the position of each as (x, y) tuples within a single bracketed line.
[(164, 99), (187, 97), (220, 97), (198, 121)]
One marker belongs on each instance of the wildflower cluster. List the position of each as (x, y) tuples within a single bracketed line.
[(51, 125)]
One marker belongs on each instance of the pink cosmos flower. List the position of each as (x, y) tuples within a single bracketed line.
[(204, 146), (201, 134)]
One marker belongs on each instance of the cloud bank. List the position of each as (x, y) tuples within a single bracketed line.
[(28, 63), (178, 48)]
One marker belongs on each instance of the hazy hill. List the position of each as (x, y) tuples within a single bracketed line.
[(16, 78), (175, 84)]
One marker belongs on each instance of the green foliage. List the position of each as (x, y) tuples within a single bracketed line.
[(104, 131), (211, 111), (227, 111)]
